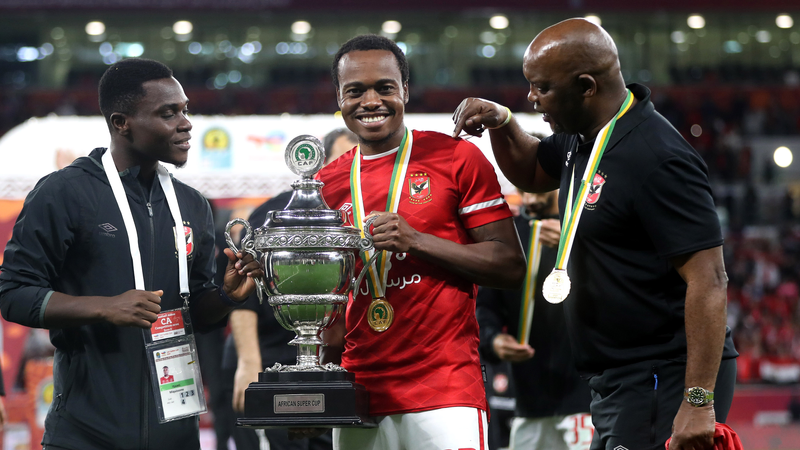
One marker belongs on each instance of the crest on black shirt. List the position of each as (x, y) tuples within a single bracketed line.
[(188, 235), (595, 189)]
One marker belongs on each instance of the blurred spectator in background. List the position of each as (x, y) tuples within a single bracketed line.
[(337, 142), (552, 401)]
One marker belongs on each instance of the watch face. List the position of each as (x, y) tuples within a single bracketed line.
[(696, 396)]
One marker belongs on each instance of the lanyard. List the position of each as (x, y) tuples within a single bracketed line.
[(378, 272), (130, 227), (529, 288), (572, 215), (557, 285)]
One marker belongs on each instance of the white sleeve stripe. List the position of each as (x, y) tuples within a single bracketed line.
[(482, 205)]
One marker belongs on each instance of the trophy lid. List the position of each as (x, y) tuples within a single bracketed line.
[(305, 156)]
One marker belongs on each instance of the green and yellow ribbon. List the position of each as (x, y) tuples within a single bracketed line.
[(377, 272), (529, 288), (573, 213)]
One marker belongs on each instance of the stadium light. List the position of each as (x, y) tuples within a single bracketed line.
[(499, 22), (301, 27), (95, 28), (763, 36), (696, 21), (784, 21), (391, 27), (678, 37), (182, 27), (782, 156)]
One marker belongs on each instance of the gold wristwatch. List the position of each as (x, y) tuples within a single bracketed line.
[(697, 396)]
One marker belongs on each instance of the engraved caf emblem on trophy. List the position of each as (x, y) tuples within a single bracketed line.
[(309, 263)]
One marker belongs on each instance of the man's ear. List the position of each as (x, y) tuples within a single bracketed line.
[(120, 124), (405, 92), (587, 85)]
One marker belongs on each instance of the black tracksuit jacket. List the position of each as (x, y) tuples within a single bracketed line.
[(70, 238)]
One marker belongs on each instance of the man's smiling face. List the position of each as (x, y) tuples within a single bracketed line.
[(372, 98)]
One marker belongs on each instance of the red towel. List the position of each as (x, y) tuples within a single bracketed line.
[(724, 438)]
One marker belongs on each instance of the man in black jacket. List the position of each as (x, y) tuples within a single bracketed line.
[(69, 263), (552, 402)]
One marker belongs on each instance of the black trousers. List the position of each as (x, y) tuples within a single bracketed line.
[(634, 406)]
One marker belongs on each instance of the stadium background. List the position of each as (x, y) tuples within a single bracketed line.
[(725, 73)]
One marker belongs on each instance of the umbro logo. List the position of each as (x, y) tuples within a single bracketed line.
[(107, 227), (619, 447)]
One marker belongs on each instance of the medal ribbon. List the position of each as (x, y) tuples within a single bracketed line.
[(378, 272), (529, 288), (573, 213)]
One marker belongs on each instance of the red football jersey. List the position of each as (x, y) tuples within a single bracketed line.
[(428, 358)]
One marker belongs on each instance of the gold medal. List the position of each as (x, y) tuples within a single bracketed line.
[(556, 286), (380, 314)]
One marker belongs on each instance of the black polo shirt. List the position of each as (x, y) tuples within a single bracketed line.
[(650, 201)]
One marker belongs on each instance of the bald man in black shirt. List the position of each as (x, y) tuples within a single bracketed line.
[(646, 315)]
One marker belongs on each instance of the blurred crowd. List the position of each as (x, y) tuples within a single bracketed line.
[(764, 302)]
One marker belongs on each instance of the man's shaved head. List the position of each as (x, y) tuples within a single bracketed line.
[(574, 72), (576, 46)]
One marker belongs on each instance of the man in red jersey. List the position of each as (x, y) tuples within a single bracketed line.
[(443, 227)]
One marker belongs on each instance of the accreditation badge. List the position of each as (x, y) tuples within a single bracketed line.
[(174, 367)]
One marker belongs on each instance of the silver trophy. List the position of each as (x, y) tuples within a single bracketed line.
[(309, 260)]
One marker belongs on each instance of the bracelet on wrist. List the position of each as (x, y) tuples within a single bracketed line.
[(505, 122)]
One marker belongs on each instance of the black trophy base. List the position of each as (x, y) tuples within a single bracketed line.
[(306, 399)]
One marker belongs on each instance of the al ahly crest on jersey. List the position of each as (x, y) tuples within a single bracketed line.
[(595, 189), (419, 188)]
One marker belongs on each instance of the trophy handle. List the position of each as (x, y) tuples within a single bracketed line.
[(248, 246), (366, 245)]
